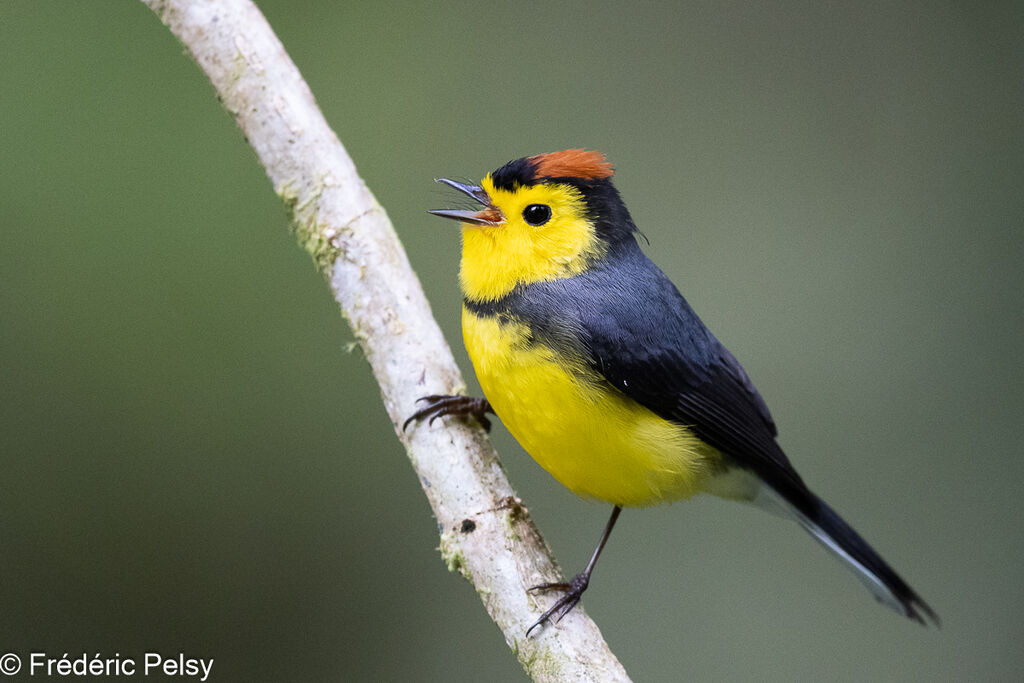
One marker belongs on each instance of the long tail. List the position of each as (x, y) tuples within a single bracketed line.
[(828, 527)]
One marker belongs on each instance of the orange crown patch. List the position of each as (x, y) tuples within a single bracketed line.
[(572, 163)]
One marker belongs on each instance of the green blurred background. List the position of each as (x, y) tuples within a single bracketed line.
[(191, 461)]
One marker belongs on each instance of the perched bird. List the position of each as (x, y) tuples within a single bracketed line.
[(597, 365)]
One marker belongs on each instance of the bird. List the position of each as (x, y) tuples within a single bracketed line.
[(605, 375)]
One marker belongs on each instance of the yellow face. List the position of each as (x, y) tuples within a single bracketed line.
[(542, 233)]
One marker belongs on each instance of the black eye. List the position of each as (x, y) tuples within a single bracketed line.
[(537, 214)]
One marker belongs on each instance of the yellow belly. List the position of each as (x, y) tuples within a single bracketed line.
[(593, 439)]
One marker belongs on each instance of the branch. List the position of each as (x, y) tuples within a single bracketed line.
[(486, 533)]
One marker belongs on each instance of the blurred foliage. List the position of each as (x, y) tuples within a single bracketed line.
[(192, 462)]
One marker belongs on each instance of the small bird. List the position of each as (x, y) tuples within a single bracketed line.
[(598, 366)]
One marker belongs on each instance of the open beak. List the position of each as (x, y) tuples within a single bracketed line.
[(487, 216)]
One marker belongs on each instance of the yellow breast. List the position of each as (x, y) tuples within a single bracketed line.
[(593, 439)]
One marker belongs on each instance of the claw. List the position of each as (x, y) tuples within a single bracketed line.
[(573, 589), (573, 592), (440, 405)]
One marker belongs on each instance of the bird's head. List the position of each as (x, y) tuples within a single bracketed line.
[(543, 217)]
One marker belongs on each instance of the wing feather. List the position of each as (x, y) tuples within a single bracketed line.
[(647, 341), (626, 319)]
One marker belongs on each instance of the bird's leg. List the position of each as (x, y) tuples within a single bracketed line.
[(573, 590), (439, 405)]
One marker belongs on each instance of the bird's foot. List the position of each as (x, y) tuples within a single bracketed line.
[(572, 592), (440, 405)]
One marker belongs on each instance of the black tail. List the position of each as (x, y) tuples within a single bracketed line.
[(824, 524)]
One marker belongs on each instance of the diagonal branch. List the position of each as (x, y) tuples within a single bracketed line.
[(486, 533)]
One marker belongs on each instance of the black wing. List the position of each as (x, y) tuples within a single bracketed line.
[(643, 337), (639, 333)]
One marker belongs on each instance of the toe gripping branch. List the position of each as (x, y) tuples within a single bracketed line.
[(441, 405), (571, 594), (573, 590)]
